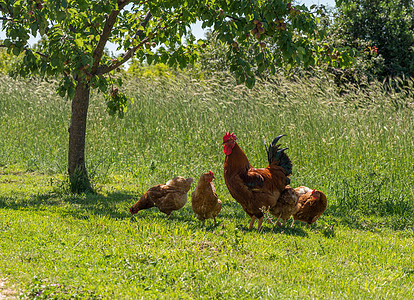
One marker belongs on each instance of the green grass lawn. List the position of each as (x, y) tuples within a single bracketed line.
[(357, 148)]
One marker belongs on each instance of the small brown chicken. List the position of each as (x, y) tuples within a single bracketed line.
[(311, 205), (204, 200), (166, 197), (286, 205)]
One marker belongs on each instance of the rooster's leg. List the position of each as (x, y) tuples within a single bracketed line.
[(259, 224), (252, 222), (277, 221), (293, 223)]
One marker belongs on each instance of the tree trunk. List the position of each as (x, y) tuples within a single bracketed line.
[(78, 175)]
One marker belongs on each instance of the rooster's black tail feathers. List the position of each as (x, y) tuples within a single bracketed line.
[(276, 155)]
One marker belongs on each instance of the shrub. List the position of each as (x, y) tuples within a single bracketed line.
[(382, 30)]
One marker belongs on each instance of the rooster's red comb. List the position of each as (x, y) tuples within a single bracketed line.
[(313, 192), (229, 136), (211, 173)]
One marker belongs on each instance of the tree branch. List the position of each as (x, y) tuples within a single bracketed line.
[(103, 69), (127, 55), (144, 23), (109, 24), (233, 18)]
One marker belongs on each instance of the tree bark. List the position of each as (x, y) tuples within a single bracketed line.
[(78, 175)]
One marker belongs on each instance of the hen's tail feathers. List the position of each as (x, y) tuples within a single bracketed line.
[(276, 155)]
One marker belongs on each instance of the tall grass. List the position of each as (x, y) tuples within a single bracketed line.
[(356, 147)]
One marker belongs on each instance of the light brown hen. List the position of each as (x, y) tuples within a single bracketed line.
[(204, 200), (166, 197)]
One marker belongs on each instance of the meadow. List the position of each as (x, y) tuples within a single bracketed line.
[(354, 144)]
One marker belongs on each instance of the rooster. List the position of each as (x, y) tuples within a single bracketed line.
[(166, 197), (311, 205), (204, 200), (255, 189)]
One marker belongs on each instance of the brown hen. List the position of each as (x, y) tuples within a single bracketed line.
[(166, 197), (311, 205), (204, 200), (286, 205)]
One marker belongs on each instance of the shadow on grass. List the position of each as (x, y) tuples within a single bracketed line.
[(231, 213), (369, 221), (230, 210), (113, 205), (116, 205), (269, 228)]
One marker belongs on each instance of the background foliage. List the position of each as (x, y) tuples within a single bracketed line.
[(378, 28)]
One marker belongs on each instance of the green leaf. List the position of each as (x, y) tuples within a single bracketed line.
[(79, 43), (250, 81), (102, 84)]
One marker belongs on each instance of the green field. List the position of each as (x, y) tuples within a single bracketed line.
[(356, 146)]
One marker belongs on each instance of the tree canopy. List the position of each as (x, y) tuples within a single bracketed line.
[(74, 35)]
